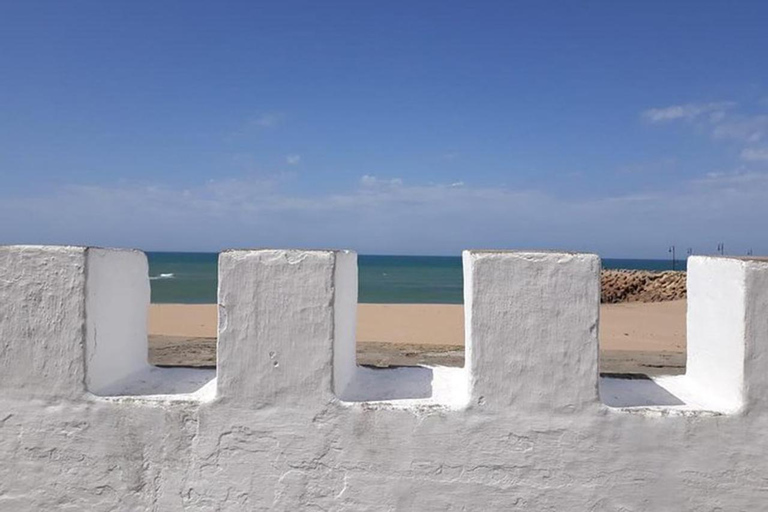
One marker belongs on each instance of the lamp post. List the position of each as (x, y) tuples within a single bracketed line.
[(672, 251)]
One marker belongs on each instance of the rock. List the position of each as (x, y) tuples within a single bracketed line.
[(642, 286)]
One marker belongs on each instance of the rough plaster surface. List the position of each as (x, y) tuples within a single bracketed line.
[(521, 427)]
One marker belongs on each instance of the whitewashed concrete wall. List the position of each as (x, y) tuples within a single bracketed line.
[(291, 423)]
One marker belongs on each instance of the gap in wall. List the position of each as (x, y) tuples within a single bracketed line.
[(183, 315), (643, 338), (182, 335), (410, 311)]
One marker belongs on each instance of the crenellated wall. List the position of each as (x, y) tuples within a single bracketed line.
[(287, 421)]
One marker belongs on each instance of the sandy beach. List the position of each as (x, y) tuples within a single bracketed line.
[(635, 337)]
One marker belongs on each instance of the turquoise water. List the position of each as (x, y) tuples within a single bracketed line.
[(183, 277), (191, 278)]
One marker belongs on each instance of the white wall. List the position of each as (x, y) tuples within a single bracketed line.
[(520, 428), (345, 322), (117, 298), (717, 327), (516, 358), (42, 320)]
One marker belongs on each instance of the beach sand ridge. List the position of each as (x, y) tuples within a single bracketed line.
[(635, 337)]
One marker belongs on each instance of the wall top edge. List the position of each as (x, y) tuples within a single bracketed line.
[(134, 250), (44, 247), (528, 252), (77, 248), (278, 249), (114, 249), (744, 259)]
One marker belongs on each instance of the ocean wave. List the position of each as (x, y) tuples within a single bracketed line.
[(162, 276)]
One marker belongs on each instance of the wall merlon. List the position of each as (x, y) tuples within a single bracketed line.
[(276, 345), (756, 334), (527, 314), (42, 296)]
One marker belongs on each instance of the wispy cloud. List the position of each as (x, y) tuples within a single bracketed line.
[(721, 120), (387, 215), (748, 129), (755, 154), (254, 126), (691, 111), (369, 182), (667, 165), (380, 213), (737, 178), (267, 120)]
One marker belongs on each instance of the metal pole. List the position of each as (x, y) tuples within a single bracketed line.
[(672, 250)]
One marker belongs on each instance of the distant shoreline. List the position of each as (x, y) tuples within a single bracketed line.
[(617, 285), (192, 278)]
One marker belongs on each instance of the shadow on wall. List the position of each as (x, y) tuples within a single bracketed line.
[(400, 383), (618, 390)]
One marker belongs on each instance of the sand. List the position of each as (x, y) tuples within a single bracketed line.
[(655, 327), (193, 320), (634, 337)]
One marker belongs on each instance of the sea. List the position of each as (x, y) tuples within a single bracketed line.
[(191, 277)]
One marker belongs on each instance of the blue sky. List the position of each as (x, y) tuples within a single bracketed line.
[(386, 127)]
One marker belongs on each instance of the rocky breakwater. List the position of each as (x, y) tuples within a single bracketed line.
[(642, 286)]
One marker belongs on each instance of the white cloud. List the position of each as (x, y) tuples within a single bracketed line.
[(254, 126), (755, 154), (388, 215), (738, 178), (372, 182), (749, 129), (293, 159), (691, 111), (718, 119), (267, 120), (666, 165)]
